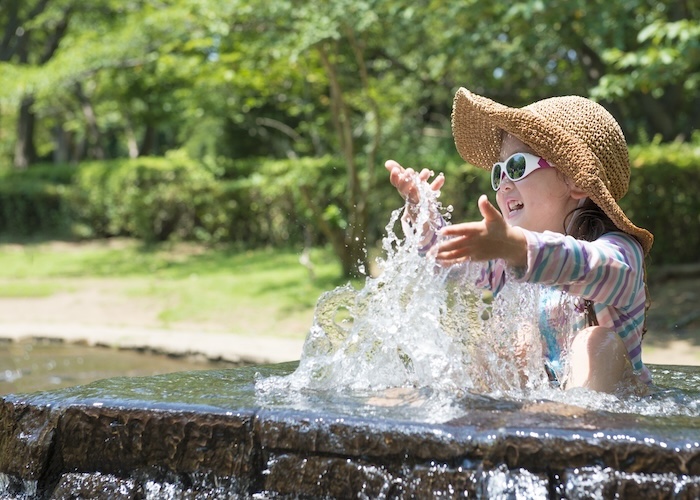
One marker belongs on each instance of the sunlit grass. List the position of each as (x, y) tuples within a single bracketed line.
[(249, 290), (29, 290), (258, 286)]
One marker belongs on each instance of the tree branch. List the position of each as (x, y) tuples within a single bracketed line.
[(55, 37), (278, 125)]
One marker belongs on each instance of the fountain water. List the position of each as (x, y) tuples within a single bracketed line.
[(410, 387), (421, 327)]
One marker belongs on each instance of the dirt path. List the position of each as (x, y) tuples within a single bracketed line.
[(103, 312)]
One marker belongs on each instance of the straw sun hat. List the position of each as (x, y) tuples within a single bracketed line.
[(576, 135)]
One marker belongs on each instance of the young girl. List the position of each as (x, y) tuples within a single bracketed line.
[(558, 167)]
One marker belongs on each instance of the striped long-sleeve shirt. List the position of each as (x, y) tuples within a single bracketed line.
[(608, 271)]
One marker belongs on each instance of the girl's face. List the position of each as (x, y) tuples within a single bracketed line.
[(539, 202)]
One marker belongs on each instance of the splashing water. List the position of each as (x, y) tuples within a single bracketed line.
[(419, 325), (427, 335)]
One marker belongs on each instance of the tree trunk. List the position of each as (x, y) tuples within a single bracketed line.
[(132, 143), (19, 45), (351, 252), (148, 142), (94, 136), (658, 116), (25, 150), (61, 140)]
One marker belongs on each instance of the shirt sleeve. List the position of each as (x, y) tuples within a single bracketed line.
[(607, 271), (492, 276)]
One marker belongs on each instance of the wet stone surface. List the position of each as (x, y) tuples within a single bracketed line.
[(207, 436)]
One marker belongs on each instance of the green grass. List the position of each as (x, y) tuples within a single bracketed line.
[(29, 290), (261, 288)]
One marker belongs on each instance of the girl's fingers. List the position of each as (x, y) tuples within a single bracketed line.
[(451, 256), (392, 164), (395, 168), (399, 178), (488, 211), (404, 179), (452, 244), (425, 174), (463, 229), (439, 181)]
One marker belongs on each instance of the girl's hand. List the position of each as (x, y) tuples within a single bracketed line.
[(491, 238), (404, 182)]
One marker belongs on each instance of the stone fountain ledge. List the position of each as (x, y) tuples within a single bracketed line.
[(173, 443), (215, 346)]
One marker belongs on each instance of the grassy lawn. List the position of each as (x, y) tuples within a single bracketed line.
[(261, 291)]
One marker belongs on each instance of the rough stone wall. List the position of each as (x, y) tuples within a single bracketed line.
[(108, 451)]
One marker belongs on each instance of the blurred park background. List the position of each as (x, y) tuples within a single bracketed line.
[(219, 163)]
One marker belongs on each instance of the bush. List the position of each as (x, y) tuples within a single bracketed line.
[(34, 201), (153, 199), (663, 198), (258, 202), (293, 193), (28, 208)]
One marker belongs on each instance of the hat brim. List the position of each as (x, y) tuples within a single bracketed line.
[(478, 124)]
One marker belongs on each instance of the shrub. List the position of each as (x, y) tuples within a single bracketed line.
[(29, 207), (663, 198), (153, 199), (256, 202), (33, 201)]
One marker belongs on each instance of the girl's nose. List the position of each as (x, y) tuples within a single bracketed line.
[(506, 184)]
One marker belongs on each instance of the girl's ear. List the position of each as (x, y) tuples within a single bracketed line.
[(576, 192)]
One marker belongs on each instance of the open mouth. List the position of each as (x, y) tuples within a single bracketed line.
[(514, 205)]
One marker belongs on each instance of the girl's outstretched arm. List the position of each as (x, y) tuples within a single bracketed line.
[(488, 239)]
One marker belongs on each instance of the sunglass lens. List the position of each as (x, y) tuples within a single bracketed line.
[(496, 176), (516, 167)]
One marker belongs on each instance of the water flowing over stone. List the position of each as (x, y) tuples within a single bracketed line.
[(205, 435)]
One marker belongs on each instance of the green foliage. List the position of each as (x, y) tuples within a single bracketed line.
[(153, 199), (26, 207), (663, 198), (35, 202), (354, 79), (285, 193), (247, 78), (252, 203), (668, 53)]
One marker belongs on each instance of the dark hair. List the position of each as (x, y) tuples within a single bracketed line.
[(588, 222)]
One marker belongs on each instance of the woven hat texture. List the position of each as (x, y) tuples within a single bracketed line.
[(576, 135)]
